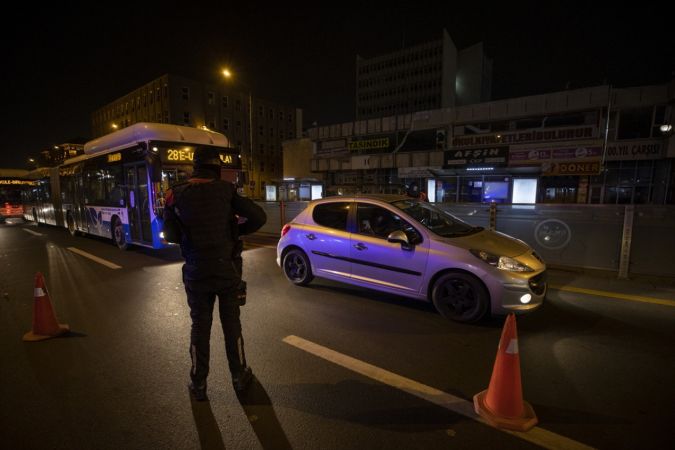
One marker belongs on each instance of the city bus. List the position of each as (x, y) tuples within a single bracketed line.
[(116, 188), (12, 182)]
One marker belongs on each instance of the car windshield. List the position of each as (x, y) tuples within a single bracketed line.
[(435, 219)]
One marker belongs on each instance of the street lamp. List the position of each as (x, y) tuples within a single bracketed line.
[(227, 74)]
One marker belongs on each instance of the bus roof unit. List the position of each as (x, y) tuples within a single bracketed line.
[(143, 132)]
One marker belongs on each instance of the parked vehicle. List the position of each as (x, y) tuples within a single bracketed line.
[(400, 245)]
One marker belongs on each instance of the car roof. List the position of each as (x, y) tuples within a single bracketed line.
[(387, 198)]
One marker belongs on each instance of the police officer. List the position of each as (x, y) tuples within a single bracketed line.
[(206, 216)]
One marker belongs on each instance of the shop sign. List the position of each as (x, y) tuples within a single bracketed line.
[(571, 168), (494, 156), (373, 144), (524, 136), (631, 150), (530, 156), (334, 147)]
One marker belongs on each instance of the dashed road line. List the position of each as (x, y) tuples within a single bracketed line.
[(618, 295), (94, 258), (35, 233), (538, 436)]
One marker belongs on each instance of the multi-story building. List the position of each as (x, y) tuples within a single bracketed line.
[(254, 126), (552, 148), (54, 156), (422, 77)]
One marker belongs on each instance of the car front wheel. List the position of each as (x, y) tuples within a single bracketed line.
[(460, 297), (297, 267)]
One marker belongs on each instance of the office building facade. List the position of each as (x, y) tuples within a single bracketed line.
[(256, 127), (422, 77)]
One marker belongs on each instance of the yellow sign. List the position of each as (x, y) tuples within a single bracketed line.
[(19, 182), (226, 159), (114, 157), (571, 168), (369, 144), (182, 155)]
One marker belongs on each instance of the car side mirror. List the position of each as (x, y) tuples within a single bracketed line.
[(400, 237)]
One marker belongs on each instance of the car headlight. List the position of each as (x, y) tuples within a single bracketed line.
[(501, 262)]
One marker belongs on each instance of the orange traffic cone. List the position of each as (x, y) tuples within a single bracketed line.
[(45, 325), (502, 404)]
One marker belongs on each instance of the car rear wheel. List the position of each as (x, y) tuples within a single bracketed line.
[(297, 267), (460, 297)]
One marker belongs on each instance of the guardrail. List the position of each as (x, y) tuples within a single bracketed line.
[(626, 239)]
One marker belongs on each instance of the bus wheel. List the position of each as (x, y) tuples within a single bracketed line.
[(35, 218), (118, 234), (71, 224)]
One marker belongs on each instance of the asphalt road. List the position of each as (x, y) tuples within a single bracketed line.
[(336, 367)]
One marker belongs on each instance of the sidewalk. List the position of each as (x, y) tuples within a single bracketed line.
[(637, 285)]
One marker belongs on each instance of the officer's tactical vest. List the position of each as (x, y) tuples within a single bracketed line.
[(208, 222)]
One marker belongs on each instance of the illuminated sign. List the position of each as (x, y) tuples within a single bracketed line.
[(19, 182), (185, 155), (182, 155), (114, 157), (369, 144)]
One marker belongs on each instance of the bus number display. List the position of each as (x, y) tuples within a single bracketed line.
[(174, 155)]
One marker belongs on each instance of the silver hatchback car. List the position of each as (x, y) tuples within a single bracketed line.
[(403, 246)]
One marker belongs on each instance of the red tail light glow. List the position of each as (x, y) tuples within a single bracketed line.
[(285, 230)]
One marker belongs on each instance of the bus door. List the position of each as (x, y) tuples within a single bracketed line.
[(79, 206), (138, 202)]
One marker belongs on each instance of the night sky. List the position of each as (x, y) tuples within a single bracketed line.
[(63, 62)]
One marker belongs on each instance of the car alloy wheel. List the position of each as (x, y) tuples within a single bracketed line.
[(460, 297), (297, 267)]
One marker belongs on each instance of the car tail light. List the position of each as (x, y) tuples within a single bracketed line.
[(285, 230)]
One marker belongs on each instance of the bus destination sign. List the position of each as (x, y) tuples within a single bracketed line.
[(185, 155)]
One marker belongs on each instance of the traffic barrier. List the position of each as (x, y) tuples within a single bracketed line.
[(45, 325), (502, 404)]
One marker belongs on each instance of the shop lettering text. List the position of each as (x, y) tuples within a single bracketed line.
[(525, 136)]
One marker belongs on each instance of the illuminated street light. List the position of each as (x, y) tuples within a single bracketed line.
[(114, 126), (227, 74), (665, 128)]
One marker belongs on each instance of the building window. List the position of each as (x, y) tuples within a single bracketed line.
[(281, 115), (226, 124), (635, 123), (261, 111), (270, 113), (212, 125), (261, 130), (262, 166), (186, 117), (211, 98), (157, 94), (186, 93), (237, 105), (225, 101)]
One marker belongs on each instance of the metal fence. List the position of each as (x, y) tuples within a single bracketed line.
[(626, 239)]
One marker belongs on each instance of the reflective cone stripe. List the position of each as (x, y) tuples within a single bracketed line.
[(45, 324)]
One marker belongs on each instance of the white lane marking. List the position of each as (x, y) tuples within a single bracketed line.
[(458, 405), (94, 258), (32, 232)]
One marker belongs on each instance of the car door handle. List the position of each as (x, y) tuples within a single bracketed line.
[(360, 246), (310, 236)]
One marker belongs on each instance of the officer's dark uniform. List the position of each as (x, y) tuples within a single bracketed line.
[(202, 215)]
